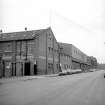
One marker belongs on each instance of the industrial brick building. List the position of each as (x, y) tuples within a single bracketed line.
[(37, 52), (72, 58), (28, 53)]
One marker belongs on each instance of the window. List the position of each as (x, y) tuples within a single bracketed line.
[(52, 49), (49, 49), (30, 47), (57, 66), (50, 66), (8, 47), (50, 37)]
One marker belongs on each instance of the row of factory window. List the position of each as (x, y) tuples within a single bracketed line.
[(20, 47), (66, 56), (66, 66), (50, 66), (52, 49), (79, 53)]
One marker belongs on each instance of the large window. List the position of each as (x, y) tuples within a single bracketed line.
[(7, 47), (50, 66)]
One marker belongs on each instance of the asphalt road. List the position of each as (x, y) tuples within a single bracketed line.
[(78, 89)]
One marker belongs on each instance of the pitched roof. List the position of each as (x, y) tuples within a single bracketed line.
[(22, 35)]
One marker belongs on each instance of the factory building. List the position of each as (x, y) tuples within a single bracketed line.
[(37, 52), (32, 52), (72, 58)]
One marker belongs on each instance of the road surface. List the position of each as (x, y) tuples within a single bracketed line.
[(77, 89)]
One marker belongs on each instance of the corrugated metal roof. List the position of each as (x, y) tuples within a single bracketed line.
[(23, 35)]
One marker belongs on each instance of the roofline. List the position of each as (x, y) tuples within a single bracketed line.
[(25, 38), (25, 31)]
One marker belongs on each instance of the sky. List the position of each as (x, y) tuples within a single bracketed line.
[(79, 22)]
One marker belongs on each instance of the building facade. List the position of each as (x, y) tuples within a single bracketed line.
[(65, 56), (93, 62), (79, 59), (37, 52), (28, 53), (72, 58)]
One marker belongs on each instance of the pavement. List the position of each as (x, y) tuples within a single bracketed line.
[(24, 78), (78, 89)]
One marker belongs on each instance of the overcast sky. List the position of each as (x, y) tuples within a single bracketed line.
[(79, 22)]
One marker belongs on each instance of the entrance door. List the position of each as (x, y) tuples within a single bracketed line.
[(27, 68), (35, 69)]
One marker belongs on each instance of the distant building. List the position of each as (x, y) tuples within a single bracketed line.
[(28, 53), (93, 62)]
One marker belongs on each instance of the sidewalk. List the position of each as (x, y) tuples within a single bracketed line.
[(24, 78)]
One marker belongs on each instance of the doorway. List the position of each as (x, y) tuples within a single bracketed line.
[(35, 69), (27, 69)]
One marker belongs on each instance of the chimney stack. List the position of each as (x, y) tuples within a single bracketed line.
[(25, 28)]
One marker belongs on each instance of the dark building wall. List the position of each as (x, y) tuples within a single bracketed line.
[(6, 58), (29, 56), (16, 53), (48, 53)]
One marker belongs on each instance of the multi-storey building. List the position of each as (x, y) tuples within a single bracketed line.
[(72, 58), (28, 53), (79, 59), (37, 52)]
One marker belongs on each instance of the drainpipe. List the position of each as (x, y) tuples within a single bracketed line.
[(53, 55), (46, 55)]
